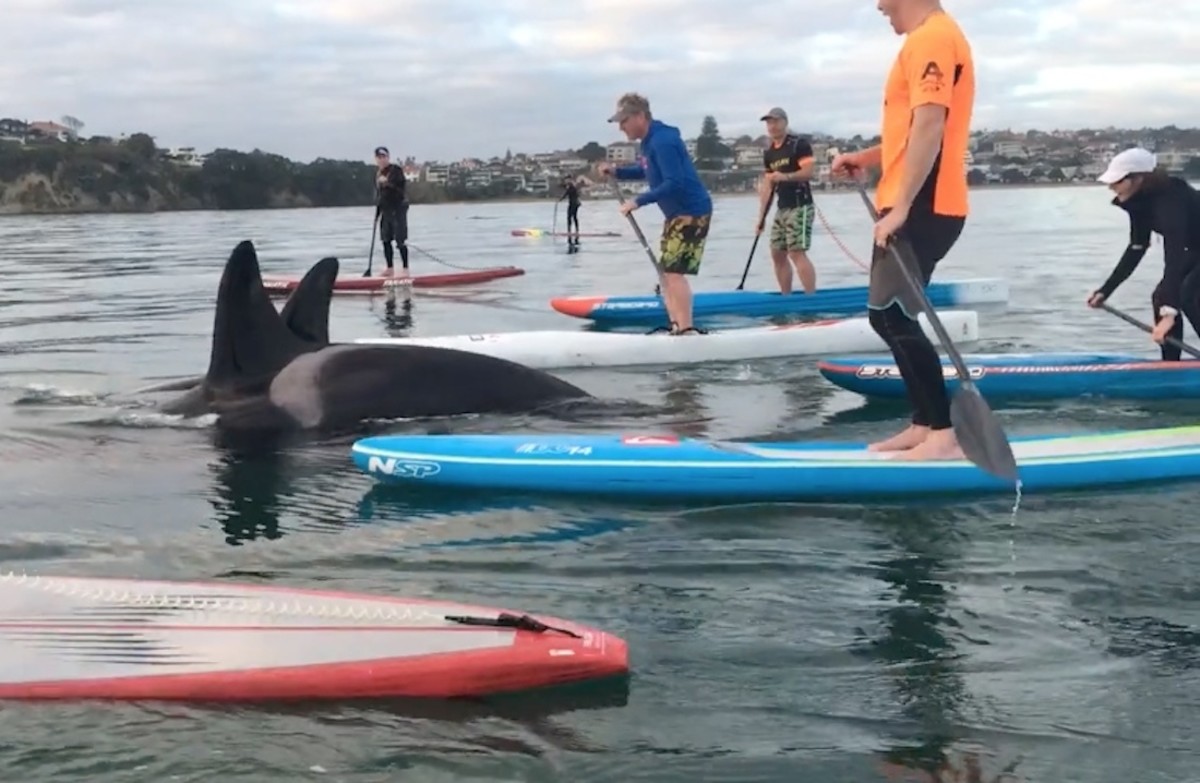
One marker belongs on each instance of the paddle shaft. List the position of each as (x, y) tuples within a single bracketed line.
[(371, 251), (1148, 329), (762, 221), (636, 228), (964, 376)]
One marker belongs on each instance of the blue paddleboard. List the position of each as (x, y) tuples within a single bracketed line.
[(846, 300), (1031, 375), (666, 466)]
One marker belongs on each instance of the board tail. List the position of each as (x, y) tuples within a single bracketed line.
[(306, 312), (251, 342)]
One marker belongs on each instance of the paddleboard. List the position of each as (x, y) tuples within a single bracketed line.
[(563, 349), (1031, 375), (665, 466), (356, 284), (541, 232), (84, 638), (845, 300)]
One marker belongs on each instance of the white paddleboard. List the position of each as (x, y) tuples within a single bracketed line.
[(552, 349)]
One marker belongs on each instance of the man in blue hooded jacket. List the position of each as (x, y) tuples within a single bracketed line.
[(676, 187)]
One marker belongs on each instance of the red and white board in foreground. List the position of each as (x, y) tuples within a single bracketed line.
[(84, 638), (356, 284)]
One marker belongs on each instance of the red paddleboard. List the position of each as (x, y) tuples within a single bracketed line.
[(83, 638), (378, 283)]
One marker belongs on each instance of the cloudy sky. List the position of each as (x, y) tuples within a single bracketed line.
[(444, 79)]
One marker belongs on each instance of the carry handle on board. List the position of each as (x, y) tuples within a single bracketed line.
[(980, 435), (1147, 328)]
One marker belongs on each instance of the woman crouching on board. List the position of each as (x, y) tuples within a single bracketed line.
[(1170, 207)]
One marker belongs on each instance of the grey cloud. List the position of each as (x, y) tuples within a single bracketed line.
[(448, 78)]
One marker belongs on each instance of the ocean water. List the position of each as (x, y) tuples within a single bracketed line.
[(771, 642)]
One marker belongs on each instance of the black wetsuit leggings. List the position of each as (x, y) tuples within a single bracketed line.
[(1189, 308), (393, 227), (930, 238), (573, 217)]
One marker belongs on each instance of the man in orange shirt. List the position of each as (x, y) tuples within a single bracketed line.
[(922, 200)]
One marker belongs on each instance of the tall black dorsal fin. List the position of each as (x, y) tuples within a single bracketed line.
[(250, 343), (306, 312)]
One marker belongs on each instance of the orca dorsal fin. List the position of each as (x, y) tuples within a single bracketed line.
[(306, 312), (251, 343)]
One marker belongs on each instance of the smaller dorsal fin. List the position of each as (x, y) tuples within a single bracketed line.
[(306, 312), (251, 343)]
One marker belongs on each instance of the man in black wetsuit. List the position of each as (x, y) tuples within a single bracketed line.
[(391, 208), (571, 194)]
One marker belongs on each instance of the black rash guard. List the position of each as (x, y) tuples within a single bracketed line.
[(1172, 211)]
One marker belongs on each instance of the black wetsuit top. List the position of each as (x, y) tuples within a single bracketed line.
[(1173, 211)]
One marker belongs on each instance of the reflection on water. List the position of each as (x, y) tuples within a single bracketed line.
[(921, 644)]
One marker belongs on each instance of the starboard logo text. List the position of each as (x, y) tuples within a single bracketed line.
[(403, 468), (892, 371), (554, 449)]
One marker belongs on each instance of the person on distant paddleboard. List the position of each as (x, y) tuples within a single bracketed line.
[(676, 187), (928, 99), (391, 209), (1170, 207), (788, 161), (571, 194)]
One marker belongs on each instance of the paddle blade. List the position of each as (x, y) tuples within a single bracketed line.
[(980, 435)]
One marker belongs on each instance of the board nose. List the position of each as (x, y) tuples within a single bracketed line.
[(577, 306)]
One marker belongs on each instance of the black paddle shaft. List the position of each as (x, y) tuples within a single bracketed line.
[(636, 228), (980, 435), (1148, 329), (371, 251), (762, 221)]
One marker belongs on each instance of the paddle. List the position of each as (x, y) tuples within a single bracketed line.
[(641, 237), (371, 252), (1147, 328), (636, 228), (762, 221), (554, 224), (980, 435)]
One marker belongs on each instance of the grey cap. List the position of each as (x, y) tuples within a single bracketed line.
[(629, 104), (775, 113)]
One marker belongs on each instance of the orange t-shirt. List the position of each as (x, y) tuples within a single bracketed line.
[(934, 66)]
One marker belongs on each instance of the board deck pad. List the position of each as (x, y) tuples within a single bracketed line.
[(63, 637), (658, 464)]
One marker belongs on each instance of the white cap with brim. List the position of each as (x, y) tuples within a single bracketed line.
[(1131, 161)]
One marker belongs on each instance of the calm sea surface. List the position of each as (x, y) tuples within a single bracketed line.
[(769, 642)]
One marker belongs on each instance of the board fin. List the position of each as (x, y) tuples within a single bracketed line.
[(251, 343), (306, 312)]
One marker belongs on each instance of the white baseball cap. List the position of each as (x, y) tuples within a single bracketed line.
[(1132, 161)]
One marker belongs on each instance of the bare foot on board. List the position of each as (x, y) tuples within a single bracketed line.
[(910, 437), (939, 445)]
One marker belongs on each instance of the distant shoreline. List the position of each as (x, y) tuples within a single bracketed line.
[(512, 200)]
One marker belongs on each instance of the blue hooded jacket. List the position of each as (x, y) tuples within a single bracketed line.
[(668, 170)]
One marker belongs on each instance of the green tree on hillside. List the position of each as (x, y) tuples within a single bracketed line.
[(141, 145), (709, 149), (592, 152)]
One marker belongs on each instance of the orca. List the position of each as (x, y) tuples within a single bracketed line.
[(264, 375), (306, 315)]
